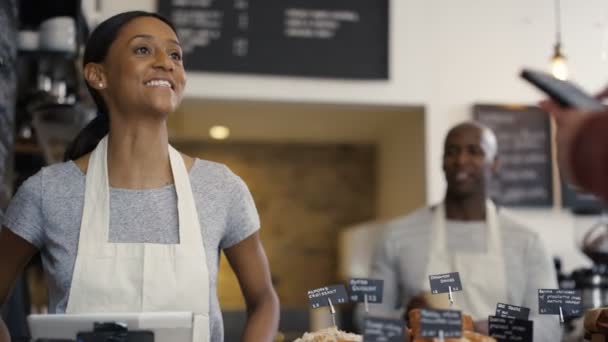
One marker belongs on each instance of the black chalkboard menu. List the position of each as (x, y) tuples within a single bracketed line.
[(524, 152), (314, 38)]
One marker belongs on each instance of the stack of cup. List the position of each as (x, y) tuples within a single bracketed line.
[(58, 34), (28, 40)]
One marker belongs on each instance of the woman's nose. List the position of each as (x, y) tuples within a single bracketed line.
[(163, 61)]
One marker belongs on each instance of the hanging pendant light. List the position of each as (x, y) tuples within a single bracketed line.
[(559, 69)]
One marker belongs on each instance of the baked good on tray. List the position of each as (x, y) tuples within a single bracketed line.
[(331, 334), (468, 335)]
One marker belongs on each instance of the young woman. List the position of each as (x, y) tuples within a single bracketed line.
[(128, 223)]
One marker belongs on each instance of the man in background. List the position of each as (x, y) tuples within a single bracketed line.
[(499, 260)]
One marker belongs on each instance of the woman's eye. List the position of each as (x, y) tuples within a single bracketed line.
[(176, 56), (142, 50)]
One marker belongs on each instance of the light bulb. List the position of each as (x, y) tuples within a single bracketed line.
[(219, 132), (559, 69)]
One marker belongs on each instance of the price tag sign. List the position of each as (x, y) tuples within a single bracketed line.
[(335, 293), (435, 322), (512, 311), (551, 300), (510, 329), (359, 288), (444, 283), (383, 330)]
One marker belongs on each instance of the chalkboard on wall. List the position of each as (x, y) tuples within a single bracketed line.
[(313, 38), (525, 176)]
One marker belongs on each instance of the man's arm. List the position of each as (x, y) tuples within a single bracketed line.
[(540, 274), (383, 267)]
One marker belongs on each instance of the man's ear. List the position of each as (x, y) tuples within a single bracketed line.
[(95, 76), (495, 165)]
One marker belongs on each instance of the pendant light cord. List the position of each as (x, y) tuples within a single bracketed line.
[(558, 23)]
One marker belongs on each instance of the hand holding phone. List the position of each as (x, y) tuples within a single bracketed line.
[(565, 93)]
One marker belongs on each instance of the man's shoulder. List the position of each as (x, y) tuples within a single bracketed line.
[(411, 224), (516, 228)]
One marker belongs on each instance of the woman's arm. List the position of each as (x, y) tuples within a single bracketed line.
[(15, 253), (248, 260)]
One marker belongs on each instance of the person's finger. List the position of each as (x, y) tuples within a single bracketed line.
[(602, 94), (564, 117), (547, 102), (549, 106), (560, 114)]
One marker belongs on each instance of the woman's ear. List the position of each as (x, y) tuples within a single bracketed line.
[(94, 74)]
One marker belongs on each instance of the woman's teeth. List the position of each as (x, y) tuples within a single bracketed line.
[(158, 83)]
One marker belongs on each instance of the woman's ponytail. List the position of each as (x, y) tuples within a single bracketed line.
[(88, 138)]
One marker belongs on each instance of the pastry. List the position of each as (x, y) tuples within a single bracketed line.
[(414, 322), (331, 334), (467, 327)]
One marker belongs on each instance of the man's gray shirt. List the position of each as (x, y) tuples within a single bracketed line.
[(401, 258)]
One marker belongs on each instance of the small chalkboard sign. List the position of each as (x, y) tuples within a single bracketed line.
[(445, 283), (525, 177), (383, 330), (322, 296), (551, 300), (510, 329), (434, 323), (360, 288), (512, 311)]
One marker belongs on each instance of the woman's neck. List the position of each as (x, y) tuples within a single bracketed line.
[(138, 155)]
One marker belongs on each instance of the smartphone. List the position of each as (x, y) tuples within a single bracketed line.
[(565, 93)]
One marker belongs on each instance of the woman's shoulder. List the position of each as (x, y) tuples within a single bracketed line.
[(53, 175), (47, 186), (208, 175)]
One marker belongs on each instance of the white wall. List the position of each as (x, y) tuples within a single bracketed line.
[(445, 55), (401, 173)]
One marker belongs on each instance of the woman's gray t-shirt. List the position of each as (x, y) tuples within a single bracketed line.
[(47, 211)]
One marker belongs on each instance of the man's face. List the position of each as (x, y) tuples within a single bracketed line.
[(466, 164)]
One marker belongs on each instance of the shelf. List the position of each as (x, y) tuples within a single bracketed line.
[(47, 54), (27, 148)]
